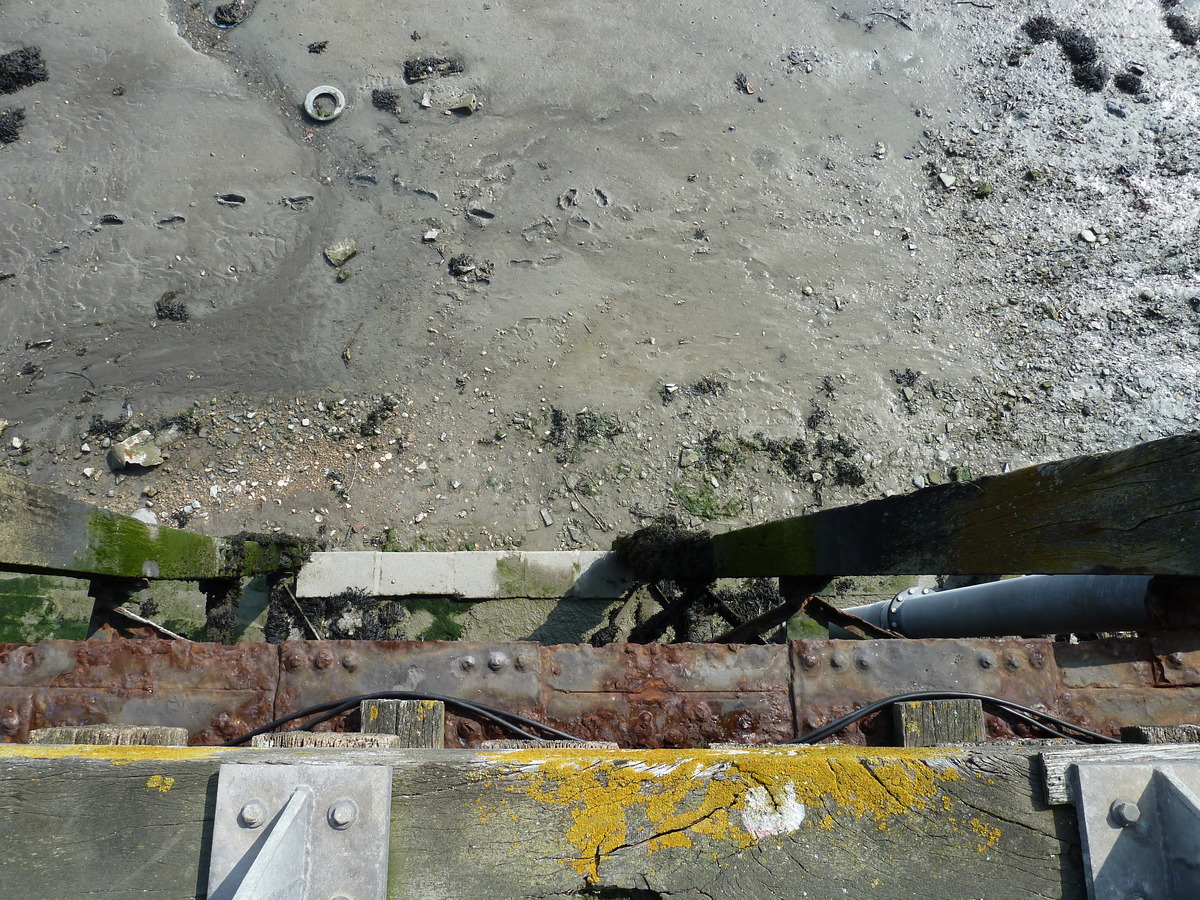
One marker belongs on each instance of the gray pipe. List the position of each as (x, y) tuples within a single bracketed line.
[(1029, 605)]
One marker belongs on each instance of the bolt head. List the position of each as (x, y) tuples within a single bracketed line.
[(343, 813), (253, 814), (1125, 813)]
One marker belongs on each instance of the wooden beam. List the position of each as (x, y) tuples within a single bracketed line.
[(43, 532), (416, 723), (1136, 511), (722, 824)]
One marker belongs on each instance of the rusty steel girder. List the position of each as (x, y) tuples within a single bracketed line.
[(639, 695)]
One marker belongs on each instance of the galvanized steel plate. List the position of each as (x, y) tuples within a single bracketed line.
[(342, 860)]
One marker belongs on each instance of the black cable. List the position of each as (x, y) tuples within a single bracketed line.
[(1027, 714), (322, 712)]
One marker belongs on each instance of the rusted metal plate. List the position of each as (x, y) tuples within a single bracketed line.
[(669, 695), (1178, 655), (833, 678), (630, 668), (507, 675), (1106, 710), (1113, 662), (214, 691)]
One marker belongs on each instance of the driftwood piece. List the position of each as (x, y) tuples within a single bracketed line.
[(786, 823)]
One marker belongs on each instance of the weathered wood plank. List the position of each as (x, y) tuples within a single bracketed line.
[(1056, 763), (416, 723), (113, 735), (781, 822), (933, 723), (43, 532), (1136, 511)]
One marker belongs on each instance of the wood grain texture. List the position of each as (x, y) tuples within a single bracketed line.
[(416, 723), (112, 735), (1136, 511), (782, 823), (933, 723), (1056, 763)]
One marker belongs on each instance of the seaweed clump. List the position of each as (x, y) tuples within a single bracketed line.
[(167, 307), (11, 121), (1183, 29), (1090, 76), (663, 551), (1041, 29), (1128, 83), (1078, 47), (385, 100), (21, 68)]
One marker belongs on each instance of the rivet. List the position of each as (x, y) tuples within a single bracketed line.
[(291, 662), (10, 722), (349, 663), (838, 660), (497, 661), (253, 814), (1125, 813), (343, 813), (323, 660), (862, 662), (520, 663), (986, 659), (1175, 660), (467, 663), (809, 660)]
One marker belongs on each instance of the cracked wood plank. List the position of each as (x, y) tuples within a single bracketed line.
[(1136, 511), (785, 822)]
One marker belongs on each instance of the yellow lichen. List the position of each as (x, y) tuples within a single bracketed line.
[(118, 756), (160, 783), (988, 834), (660, 798)]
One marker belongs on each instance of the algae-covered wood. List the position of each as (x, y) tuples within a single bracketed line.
[(42, 531), (723, 823), (1136, 511)]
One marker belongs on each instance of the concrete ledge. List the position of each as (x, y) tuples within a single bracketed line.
[(482, 575)]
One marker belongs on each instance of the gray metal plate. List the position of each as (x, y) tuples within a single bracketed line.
[(1155, 856), (348, 862)]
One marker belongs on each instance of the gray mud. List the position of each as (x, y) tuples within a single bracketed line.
[(639, 220)]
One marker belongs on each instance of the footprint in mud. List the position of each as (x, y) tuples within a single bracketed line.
[(232, 200), (170, 222), (602, 198), (568, 198), (542, 232)]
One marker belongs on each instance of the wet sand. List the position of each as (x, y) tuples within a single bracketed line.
[(644, 221)]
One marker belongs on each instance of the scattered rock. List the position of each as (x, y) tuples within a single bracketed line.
[(138, 450), (947, 180), (145, 515), (340, 252), (1088, 236), (233, 13), (466, 103), (168, 307)]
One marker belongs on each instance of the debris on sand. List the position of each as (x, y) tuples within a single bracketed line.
[(138, 450), (462, 264), (1090, 76), (167, 307), (11, 121), (423, 67), (232, 13), (318, 46), (21, 68)]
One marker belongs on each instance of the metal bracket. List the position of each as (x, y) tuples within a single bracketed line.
[(302, 832), (1140, 825)]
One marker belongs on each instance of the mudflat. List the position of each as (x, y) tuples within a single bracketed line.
[(613, 261)]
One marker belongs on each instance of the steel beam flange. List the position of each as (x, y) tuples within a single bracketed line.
[(302, 832)]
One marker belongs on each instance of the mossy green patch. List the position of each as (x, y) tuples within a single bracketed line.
[(446, 614), (28, 614), (121, 546)]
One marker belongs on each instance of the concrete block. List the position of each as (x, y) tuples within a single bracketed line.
[(328, 574)]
